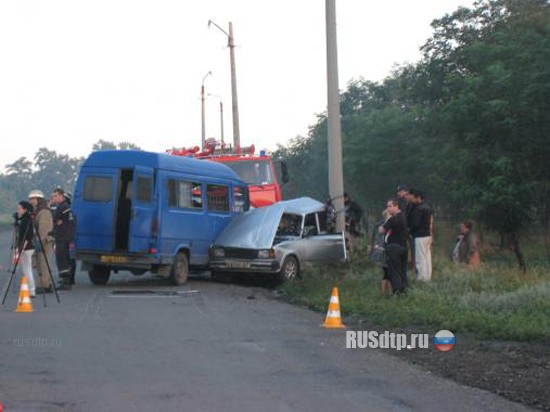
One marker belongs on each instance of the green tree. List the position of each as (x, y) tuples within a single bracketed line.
[(105, 145), (495, 96), (17, 181), (55, 170)]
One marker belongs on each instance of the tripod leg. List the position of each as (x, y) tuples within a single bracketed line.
[(18, 252), (11, 279), (53, 283), (8, 288), (41, 283)]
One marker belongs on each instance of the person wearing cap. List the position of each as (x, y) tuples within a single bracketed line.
[(25, 248), (43, 225), (64, 228)]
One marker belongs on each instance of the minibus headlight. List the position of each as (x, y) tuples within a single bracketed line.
[(219, 252), (266, 253)]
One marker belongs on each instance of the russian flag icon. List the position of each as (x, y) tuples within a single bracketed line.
[(444, 340)]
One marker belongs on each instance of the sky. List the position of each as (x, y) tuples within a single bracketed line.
[(73, 72)]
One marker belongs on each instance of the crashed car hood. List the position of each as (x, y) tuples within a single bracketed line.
[(256, 228)]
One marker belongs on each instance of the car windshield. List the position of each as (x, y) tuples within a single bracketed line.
[(253, 172)]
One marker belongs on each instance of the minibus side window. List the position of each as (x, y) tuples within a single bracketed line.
[(189, 195), (98, 189), (217, 198), (144, 189), (184, 194)]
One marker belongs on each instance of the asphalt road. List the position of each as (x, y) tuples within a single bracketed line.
[(210, 347)]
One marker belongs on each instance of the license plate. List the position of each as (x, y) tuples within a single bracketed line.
[(238, 264), (113, 259)]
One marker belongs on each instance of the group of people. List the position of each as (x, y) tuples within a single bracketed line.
[(408, 227), (42, 227)]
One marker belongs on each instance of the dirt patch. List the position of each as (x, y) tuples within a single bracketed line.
[(515, 370), (518, 371)]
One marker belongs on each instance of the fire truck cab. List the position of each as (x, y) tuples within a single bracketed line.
[(259, 171)]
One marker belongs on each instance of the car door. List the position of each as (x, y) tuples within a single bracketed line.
[(143, 209), (320, 245), (95, 207)]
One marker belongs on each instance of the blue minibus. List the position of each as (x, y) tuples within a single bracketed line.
[(142, 211)]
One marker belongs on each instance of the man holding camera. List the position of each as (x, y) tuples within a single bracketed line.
[(43, 224)]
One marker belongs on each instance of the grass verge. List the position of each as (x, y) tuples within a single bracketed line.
[(489, 303)]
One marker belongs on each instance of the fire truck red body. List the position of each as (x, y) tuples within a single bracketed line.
[(258, 171)]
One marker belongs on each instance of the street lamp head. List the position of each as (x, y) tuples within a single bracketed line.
[(205, 76), (210, 23)]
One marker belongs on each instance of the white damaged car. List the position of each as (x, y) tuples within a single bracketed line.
[(279, 240)]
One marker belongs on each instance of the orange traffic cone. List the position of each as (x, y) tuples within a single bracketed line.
[(24, 304), (333, 319)]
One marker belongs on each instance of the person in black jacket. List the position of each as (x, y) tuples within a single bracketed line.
[(72, 260), (25, 248), (64, 228), (396, 246), (420, 229), (353, 216)]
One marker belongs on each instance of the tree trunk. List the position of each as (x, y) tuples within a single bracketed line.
[(514, 245)]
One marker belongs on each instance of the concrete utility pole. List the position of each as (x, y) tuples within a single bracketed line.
[(221, 121), (203, 123), (335, 168), (221, 115), (235, 104)]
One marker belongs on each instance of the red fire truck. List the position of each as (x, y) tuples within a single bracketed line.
[(258, 170)]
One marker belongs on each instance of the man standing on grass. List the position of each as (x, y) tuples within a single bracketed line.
[(420, 228), (396, 246)]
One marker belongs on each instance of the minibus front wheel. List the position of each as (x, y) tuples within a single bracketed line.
[(180, 268), (99, 275)]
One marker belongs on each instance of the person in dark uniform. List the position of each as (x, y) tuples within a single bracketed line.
[(72, 259), (396, 246), (64, 228)]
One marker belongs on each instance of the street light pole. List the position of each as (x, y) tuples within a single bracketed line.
[(335, 168), (235, 104), (203, 131), (221, 116)]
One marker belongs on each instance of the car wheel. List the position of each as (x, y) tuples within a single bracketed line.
[(99, 275), (289, 270), (180, 269)]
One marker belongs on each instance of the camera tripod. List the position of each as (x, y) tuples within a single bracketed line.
[(18, 258)]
